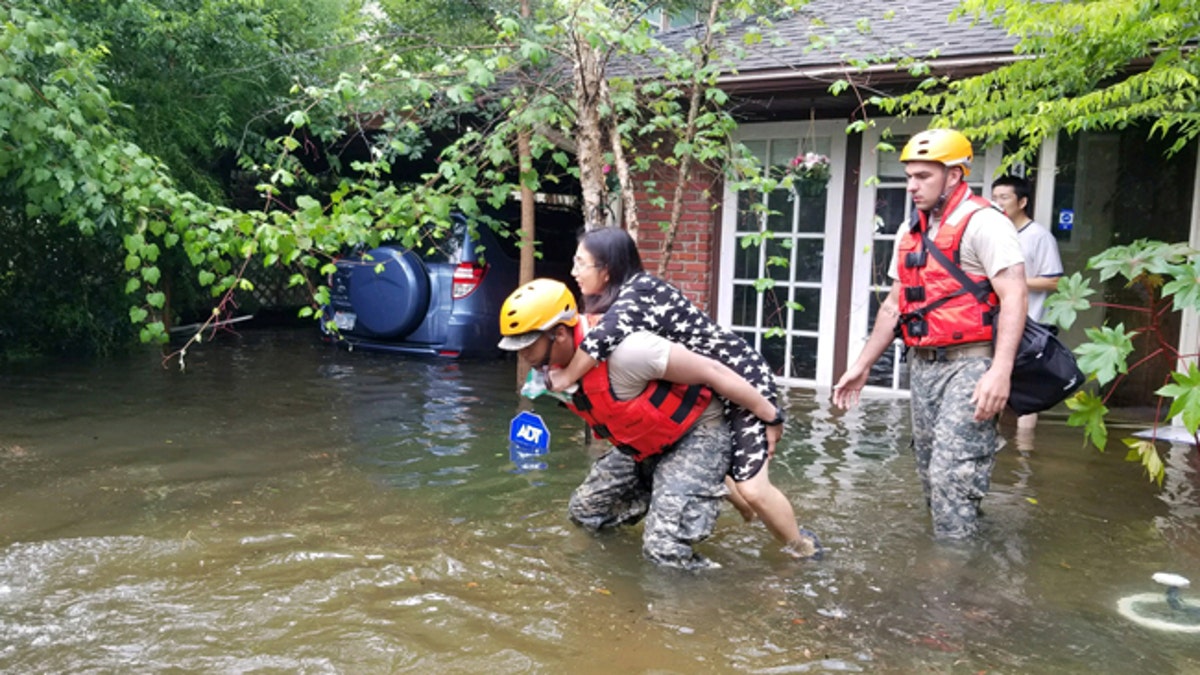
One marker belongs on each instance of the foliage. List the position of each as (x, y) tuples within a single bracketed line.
[(65, 286), (197, 79), (105, 109), (1080, 66), (1168, 279), (329, 179)]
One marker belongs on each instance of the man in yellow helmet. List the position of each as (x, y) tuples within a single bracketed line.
[(958, 300), (653, 399)]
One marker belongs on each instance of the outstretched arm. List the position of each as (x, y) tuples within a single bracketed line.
[(848, 389)]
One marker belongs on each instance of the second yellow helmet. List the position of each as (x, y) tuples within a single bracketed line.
[(537, 306)]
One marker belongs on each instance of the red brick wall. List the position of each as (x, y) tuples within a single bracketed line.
[(693, 263)]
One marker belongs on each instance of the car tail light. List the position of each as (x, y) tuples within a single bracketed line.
[(466, 279)]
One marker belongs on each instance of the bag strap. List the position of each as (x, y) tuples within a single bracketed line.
[(980, 291)]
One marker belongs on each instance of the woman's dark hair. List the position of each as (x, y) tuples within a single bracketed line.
[(614, 250)]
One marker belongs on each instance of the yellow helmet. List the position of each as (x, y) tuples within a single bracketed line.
[(945, 146), (535, 307)]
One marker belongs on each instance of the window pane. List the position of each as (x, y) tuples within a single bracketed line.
[(745, 261), (812, 208), (889, 209), (881, 257), (774, 304), (783, 151), (747, 218), (810, 258), (808, 318), (745, 305), (779, 259), (804, 357), (779, 201), (773, 350), (890, 167)]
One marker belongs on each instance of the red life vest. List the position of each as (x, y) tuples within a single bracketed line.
[(935, 309), (642, 426)]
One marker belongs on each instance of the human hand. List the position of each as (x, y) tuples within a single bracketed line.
[(991, 393), (557, 380), (848, 389), (774, 433)]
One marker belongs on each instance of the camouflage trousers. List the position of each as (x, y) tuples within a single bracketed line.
[(954, 453), (678, 492)]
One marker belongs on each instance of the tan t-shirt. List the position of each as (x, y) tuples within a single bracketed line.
[(641, 359), (989, 245)]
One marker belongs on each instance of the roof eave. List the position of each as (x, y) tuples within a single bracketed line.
[(820, 76)]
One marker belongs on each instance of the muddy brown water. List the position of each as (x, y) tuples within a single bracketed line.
[(285, 507)]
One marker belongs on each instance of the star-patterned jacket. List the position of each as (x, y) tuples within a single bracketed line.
[(647, 303)]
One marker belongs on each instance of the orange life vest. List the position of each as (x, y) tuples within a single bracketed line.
[(935, 309), (642, 426)]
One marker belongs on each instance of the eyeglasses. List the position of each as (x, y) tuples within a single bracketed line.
[(581, 265)]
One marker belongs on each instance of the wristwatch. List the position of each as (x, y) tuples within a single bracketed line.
[(779, 417)]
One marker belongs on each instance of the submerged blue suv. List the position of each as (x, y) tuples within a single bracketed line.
[(445, 299)]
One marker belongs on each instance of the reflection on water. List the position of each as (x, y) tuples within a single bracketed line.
[(286, 507)]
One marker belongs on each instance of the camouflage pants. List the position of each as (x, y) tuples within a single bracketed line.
[(679, 492), (954, 453)]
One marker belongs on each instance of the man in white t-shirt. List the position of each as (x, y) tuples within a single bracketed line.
[(1043, 266), (961, 346)]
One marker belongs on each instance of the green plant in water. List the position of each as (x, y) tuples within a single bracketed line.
[(1167, 279)]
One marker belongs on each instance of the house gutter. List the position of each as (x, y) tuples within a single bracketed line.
[(771, 79)]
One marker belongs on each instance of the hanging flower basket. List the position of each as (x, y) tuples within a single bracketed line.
[(810, 172)]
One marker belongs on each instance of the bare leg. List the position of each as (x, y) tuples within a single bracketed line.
[(739, 502), (776, 512)]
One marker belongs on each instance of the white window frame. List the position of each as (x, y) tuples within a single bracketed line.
[(825, 335)]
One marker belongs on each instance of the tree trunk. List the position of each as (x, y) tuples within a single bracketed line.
[(689, 136), (589, 77)]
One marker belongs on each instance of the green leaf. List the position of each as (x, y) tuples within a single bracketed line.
[(1104, 357), (1141, 450), (1184, 289), (1142, 257), (1064, 305), (1186, 394), (1088, 411)]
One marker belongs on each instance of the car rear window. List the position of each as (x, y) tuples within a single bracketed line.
[(557, 231), (556, 236)]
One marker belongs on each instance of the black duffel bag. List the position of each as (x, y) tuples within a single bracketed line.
[(1044, 371)]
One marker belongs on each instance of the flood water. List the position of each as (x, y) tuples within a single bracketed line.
[(282, 506)]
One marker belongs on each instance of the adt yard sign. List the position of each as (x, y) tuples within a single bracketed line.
[(530, 433)]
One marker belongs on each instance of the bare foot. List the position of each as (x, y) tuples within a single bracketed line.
[(807, 547)]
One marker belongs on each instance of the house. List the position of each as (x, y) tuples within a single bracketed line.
[(1093, 190)]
